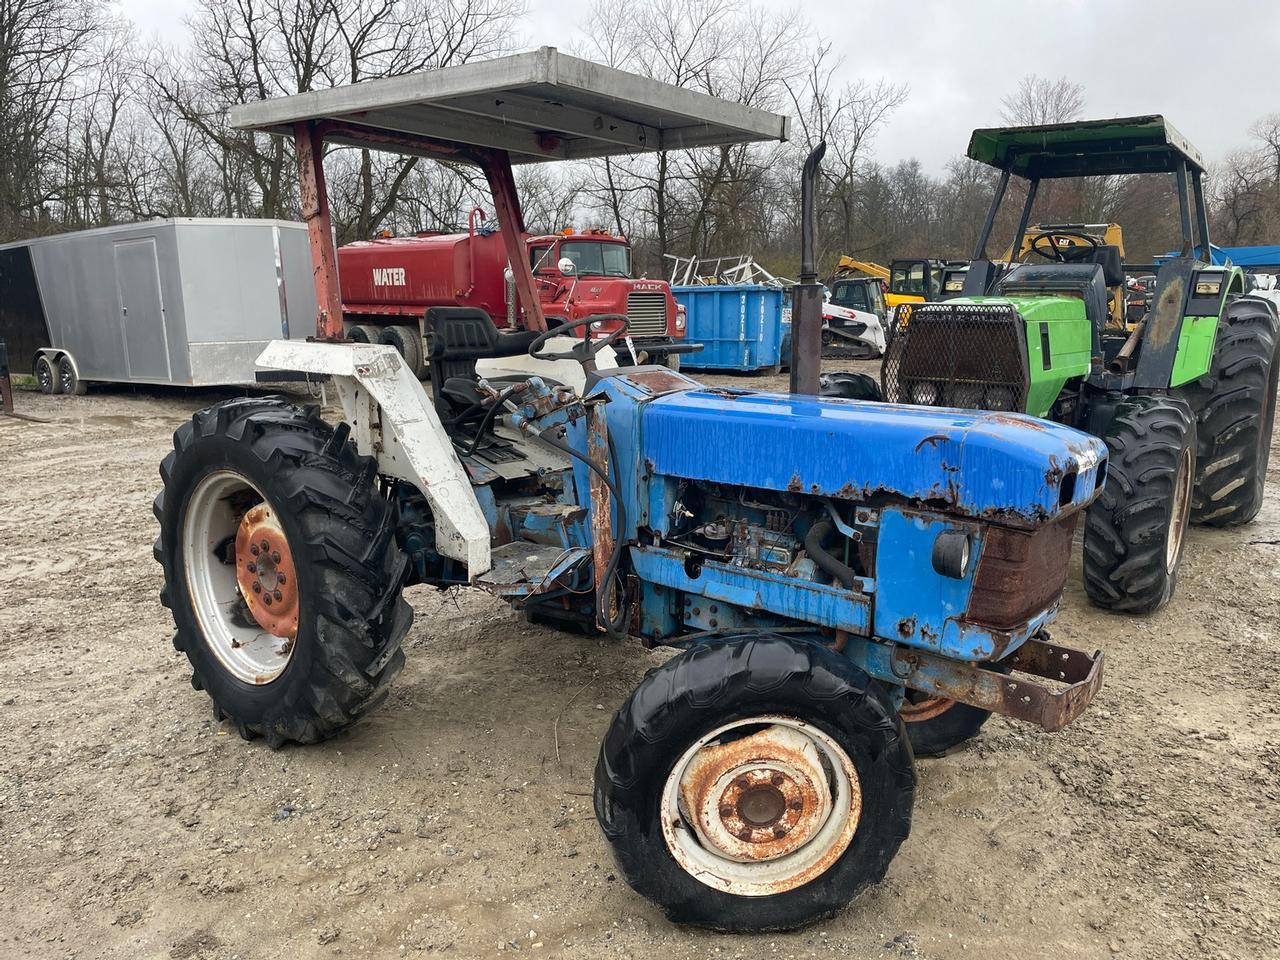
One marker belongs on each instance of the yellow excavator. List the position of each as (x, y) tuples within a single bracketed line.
[(916, 280)]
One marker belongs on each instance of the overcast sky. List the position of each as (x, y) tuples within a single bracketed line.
[(1211, 68)]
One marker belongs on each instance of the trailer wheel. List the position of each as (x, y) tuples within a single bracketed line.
[(363, 333), (281, 569), (754, 783), (1235, 406), (46, 376), (68, 380), (1135, 530), (408, 343)]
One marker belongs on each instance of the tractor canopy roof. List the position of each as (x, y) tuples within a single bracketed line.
[(1086, 148), (536, 106)]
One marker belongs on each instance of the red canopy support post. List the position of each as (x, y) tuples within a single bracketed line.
[(496, 165), (308, 142)]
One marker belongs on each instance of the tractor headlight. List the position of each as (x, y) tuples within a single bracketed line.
[(597, 324), (954, 285), (951, 554), (680, 317), (1208, 285), (924, 394)]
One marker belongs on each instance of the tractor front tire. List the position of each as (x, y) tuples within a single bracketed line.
[(754, 783), (1235, 406), (1135, 530), (259, 492)]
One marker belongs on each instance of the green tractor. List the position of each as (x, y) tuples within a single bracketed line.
[(1184, 396)]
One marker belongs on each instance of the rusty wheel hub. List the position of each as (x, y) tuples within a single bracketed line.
[(265, 572), (764, 812)]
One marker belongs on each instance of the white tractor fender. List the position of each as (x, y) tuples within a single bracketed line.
[(392, 418)]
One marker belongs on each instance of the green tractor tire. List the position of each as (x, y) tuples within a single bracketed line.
[(1235, 406), (1135, 531)]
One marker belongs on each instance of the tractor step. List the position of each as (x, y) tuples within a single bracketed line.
[(523, 569)]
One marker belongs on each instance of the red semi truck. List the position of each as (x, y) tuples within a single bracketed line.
[(389, 283)]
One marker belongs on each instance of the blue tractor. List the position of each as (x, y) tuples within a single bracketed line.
[(823, 566)]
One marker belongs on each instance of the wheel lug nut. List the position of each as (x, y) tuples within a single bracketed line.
[(280, 579), (796, 805), (252, 567), (266, 598), (275, 557), (278, 595), (257, 587), (726, 812), (253, 548), (265, 546), (776, 779), (779, 832), (744, 834)]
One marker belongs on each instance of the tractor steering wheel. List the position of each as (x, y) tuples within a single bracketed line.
[(588, 348), (1078, 248)]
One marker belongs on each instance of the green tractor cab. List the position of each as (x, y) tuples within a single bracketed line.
[(1183, 392)]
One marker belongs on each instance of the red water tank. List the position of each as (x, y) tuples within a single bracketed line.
[(403, 276)]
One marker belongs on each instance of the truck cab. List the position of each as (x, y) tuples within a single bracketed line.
[(589, 273)]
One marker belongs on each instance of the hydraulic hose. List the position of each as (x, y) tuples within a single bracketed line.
[(813, 546)]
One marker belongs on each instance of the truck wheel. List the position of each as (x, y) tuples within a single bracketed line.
[(1235, 405), (364, 333), (1135, 530), (673, 361), (68, 380), (754, 783), (281, 569), (46, 376), (408, 343)]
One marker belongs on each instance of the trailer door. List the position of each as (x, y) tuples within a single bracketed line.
[(142, 319)]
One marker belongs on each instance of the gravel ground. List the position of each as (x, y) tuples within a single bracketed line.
[(457, 819)]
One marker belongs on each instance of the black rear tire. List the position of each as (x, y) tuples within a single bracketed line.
[(1235, 407), (364, 333), (69, 380), (1135, 530), (349, 569), (730, 679), (409, 344)]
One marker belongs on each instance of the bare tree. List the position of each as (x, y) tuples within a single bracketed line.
[(1040, 100), (43, 46)]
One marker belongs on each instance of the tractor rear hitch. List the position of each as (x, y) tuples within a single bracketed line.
[(1075, 675)]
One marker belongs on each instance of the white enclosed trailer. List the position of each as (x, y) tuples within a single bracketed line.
[(187, 302)]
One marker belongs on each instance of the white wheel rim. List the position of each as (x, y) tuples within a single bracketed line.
[(213, 515), (1181, 509), (761, 806)]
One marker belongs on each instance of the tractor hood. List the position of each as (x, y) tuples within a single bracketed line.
[(997, 466)]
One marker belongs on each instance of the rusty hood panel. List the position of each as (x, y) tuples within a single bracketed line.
[(1001, 466)]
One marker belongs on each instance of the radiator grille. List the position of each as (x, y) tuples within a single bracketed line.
[(972, 356), (648, 314)]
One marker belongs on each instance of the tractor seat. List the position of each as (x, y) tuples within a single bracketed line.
[(1108, 258), (1086, 280), (468, 333)]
